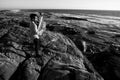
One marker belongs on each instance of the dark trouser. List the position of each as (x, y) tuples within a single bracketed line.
[(39, 59), (36, 43)]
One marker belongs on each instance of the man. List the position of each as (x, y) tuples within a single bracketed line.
[(37, 27)]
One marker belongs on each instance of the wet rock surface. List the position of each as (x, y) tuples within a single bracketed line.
[(61, 48)]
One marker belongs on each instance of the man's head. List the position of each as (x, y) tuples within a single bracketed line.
[(41, 13), (35, 16)]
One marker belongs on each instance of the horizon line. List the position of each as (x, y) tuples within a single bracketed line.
[(55, 9)]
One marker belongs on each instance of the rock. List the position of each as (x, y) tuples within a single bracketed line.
[(73, 18), (107, 64), (26, 70), (100, 33), (7, 67), (67, 58), (62, 58)]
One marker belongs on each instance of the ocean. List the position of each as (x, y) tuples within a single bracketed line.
[(96, 12)]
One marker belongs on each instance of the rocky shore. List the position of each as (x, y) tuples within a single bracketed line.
[(61, 48)]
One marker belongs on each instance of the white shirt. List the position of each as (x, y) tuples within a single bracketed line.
[(35, 30)]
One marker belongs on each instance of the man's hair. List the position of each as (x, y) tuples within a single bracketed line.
[(32, 15), (41, 13)]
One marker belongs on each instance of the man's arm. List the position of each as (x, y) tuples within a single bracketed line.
[(40, 23), (35, 26), (43, 28)]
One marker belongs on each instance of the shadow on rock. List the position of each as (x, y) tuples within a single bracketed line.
[(107, 63), (26, 70)]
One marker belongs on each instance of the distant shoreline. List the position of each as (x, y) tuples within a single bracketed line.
[(115, 13), (81, 11)]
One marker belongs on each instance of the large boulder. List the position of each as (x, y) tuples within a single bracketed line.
[(65, 59), (62, 60), (26, 70)]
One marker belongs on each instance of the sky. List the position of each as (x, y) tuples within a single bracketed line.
[(61, 4)]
